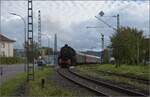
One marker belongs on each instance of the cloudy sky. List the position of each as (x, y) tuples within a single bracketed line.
[(69, 19)]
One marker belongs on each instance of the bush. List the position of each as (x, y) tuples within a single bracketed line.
[(11, 60)]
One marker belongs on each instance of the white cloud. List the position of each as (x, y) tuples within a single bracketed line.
[(69, 19)]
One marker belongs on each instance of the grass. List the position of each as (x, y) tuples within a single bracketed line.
[(33, 88), (140, 71), (50, 89), (8, 88)]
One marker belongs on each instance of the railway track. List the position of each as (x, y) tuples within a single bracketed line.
[(99, 87)]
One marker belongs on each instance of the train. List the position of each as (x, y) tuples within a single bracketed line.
[(79, 59), (87, 59)]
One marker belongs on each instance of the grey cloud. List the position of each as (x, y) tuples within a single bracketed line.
[(75, 34)]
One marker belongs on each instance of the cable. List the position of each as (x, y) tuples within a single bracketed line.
[(106, 23)]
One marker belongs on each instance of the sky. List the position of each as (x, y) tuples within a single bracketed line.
[(69, 20)]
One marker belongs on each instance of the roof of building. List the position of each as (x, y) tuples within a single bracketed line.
[(4, 38)]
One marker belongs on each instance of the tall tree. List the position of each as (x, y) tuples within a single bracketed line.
[(127, 45)]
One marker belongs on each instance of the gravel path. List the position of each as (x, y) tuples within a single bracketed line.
[(78, 90)]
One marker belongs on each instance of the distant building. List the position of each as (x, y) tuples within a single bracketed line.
[(45, 51), (6, 46)]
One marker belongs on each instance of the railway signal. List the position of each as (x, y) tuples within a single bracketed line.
[(101, 13)]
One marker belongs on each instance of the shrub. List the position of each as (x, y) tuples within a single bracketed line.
[(11, 60)]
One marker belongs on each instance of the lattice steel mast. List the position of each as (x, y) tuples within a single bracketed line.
[(55, 49), (30, 57), (39, 29)]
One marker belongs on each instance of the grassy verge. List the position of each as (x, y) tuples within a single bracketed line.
[(141, 71), (95, 70), (8, 88), (33, 88), (50, 89)]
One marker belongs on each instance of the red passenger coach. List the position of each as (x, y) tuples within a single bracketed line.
[(87, 59), (80, 59), (90, 59)]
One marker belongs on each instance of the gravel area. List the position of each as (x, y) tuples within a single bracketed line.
[(78, 90)]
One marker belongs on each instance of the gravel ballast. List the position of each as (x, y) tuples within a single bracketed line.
[(68, 85)]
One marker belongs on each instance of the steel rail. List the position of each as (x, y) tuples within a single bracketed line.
[(85, 86), (108, 85)]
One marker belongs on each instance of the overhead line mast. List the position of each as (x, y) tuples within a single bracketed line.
[(30, 55), (39, 29), (55, 49)]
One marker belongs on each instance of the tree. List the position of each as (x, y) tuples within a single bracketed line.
[(145, 53), (105, 56), (127, 44)]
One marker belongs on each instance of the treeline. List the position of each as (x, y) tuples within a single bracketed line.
[(11, 60), (130, 46)]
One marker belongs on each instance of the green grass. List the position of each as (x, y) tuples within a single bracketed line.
[(51, 89), (9, 87), (33, 88), (141, 71), (131, 70)]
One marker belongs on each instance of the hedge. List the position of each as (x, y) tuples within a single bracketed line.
[(11, 60)]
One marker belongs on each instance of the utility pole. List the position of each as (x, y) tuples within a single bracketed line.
[(0, 37), (149, 46), (48, 48), (137, 50), (30, 56), (118, 26), (118, 22), (55, 49), (102, 56), (48, 42), (39, 29), (102, 41)]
